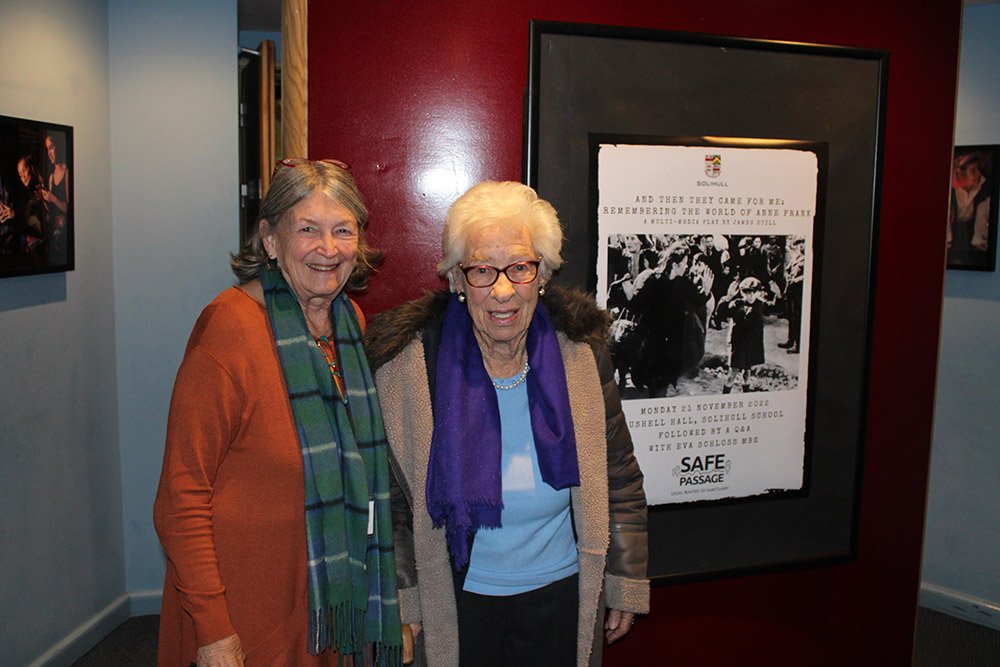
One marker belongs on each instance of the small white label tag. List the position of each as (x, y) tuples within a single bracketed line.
[(371, 517)]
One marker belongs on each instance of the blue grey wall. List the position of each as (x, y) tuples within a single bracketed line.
[(174, 170), (962, 540), (61, 556), (87, 358)]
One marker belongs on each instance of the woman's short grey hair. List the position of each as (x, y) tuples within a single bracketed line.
[(289, 186), (493, 201)]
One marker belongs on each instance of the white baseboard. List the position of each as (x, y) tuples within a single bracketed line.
[(71, 647), (144, 603), (966, 607)]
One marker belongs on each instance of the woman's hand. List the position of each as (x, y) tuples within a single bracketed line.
[(50, 198), (707, 280), (410, 631), (227, 652), (617, 624)]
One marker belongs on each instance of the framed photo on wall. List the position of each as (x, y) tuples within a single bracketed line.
[(36, 197), (972, 209), (719, 144)]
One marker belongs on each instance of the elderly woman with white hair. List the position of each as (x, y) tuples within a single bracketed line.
[(519, 514)]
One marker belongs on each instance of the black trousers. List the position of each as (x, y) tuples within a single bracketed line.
[(534, 628)]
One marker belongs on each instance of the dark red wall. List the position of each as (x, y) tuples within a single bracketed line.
[(401, 89)]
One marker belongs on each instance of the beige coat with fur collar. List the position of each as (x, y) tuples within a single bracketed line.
[(610, 527)]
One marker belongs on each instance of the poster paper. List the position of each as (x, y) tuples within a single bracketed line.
[(705, 260)]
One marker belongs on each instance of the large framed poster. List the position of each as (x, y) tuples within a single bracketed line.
[(706, 257), (721, 201)]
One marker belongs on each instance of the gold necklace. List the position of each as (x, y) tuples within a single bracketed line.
[(326, 347)]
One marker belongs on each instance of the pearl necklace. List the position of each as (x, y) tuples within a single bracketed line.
[(518, 379)]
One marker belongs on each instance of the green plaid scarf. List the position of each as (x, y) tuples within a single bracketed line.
[(353, 605)]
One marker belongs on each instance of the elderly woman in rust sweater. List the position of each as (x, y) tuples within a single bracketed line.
[(273, 502), (511, 454)]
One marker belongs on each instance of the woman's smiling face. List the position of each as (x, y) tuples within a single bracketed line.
[(316, 246), (501, 312)]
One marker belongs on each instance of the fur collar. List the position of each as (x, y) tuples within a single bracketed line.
[(573, 313)]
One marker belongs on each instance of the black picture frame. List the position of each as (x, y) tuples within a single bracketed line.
[(36, 197), (585, 79), (972, 208)]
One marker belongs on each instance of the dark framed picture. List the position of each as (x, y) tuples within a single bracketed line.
[(972, 209), (719, 144), (36, 197)]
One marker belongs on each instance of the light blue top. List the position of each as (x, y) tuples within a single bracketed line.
[(535, 546)]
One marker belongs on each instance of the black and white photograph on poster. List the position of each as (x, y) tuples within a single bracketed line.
[(704, 314), (705, 263)]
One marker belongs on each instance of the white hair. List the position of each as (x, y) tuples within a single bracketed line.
[(492, 201)]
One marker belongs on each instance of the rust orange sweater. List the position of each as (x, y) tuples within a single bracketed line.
[(229, 509)]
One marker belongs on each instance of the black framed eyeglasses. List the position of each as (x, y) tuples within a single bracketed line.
[(296, 161), (518, 273)]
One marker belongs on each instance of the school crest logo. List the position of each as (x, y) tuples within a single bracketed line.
[(713, 165)]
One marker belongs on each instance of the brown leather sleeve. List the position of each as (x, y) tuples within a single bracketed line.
[(402, 528), (628, 550)]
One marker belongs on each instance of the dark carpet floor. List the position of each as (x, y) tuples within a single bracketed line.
[(941, 641), (131, 644), (946, 641)]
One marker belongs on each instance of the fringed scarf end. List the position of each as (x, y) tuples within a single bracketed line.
[(340, 628), (336, 627)]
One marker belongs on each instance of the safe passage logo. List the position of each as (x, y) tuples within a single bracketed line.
[(699, 470)]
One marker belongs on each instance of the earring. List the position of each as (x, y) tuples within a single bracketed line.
[(541, 291), (271, 263), (461, 297)]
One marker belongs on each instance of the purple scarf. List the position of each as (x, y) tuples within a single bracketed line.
[(463, 473)]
